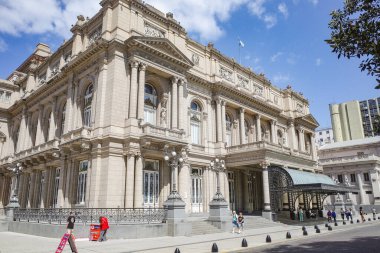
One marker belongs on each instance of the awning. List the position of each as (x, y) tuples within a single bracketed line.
[(302, 177)]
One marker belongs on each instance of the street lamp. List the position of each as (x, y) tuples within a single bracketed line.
[(13, 202), (218, 165), (173, 159)]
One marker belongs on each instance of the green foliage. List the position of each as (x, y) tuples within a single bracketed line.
[(355, 32)]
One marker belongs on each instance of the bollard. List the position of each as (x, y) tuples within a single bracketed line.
[(305, 232), (268, 239), (369, 219), (316, 227), (336, 224), (288, 235), (352, 222), (374, 218), (214, 247), (326, 225), (357, 221), (244, 243), (330, 228), (177, 250), (378, 218), (344, 223), (317, 231), (303, 228)]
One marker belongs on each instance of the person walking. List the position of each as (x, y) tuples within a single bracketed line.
[(103, 228), (347, 213), (241, 222), (333, 215), (350, 212), (361, 212), (300, 213), (329, 216), (342, 214), (70, 223), (234, 221), (374, 213)]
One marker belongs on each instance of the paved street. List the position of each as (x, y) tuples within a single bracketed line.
[(356, 240), (362, 236)]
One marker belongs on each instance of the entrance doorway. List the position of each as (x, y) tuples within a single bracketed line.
[(231, 186), (196, 191), (151, 184)]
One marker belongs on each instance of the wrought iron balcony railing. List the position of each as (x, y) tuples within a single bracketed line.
[(118, 216)]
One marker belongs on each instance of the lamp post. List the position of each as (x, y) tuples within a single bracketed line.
[(13, 202), (218, 166), (173, 159)]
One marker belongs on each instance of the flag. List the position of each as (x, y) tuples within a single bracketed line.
[(241, 44)]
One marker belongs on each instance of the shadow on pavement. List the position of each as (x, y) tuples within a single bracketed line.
[(356, 245)]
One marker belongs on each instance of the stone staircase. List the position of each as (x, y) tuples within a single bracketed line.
[(201, 226)]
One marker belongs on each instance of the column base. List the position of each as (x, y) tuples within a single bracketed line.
[(218, 211), (267, 214), (176, 215)]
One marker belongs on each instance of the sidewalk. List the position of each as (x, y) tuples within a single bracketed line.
[(227, 242)]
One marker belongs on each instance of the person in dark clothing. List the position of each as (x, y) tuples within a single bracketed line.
[(70, 223), (333, 215), (342, 214)]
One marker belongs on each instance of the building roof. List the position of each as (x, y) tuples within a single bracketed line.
[(302, 177), (342, 144)]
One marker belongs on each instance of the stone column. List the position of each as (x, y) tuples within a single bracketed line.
[(40, 125), (292, 136), (361, 190), (183, 184), (223, 118), (242, 127), (140, 108), (218, 120), (267, 209), (313, 148), (174, 100), (53, 116), (273, 134), (181, 109), (134, 88), (302, 139), (28, 137), (22, 132), (258, 127), (130, 180), (138, 199), (69, 106)]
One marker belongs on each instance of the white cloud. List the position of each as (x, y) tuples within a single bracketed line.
[(257, 7), (314, 2), (283, 9), (281, 78), (275, 56), (270, 20), (3, 46), (43, 16), (292, 58), (318, 62)]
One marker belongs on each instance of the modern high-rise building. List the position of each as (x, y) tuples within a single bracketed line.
[(346, 121), (370, 112)]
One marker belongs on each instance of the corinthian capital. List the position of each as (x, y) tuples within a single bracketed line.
[(134, 64), (174, 80)]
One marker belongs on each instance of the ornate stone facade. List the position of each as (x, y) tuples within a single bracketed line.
[(89, 123)]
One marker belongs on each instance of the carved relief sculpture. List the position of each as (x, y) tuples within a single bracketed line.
[(195, 59), (226, 74), (152, 31)]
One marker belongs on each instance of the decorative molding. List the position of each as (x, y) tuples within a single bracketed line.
[(152, 31), (226, 74), (242, 82), (195, 59)]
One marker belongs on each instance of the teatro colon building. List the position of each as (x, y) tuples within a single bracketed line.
[(90, 124)]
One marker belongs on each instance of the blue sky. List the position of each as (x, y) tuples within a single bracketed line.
[(283, 39)]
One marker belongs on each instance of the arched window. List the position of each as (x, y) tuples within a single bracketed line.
[(195, 123), (63, 118), (228, 130), (246, 131), (150, 104), (88, 106)]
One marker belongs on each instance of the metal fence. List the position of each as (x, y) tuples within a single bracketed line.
[(119, 216), (3, 211)]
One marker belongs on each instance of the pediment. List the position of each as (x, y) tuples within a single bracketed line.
[(161, 47), (309, 119)]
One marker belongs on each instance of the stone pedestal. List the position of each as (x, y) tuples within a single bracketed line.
[(267, 215), (219, 214), (175, 217)]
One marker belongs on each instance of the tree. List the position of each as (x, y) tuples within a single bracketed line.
[(356, 33)]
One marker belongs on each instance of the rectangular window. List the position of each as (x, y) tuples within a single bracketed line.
[(82, 182), (368, 192), (56, 186), (340, 178), (150, 115), (195, 133), (353, 178), (151, 187), (366, 176)]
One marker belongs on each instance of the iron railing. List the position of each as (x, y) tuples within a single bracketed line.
[(118, 216), (3, 211)]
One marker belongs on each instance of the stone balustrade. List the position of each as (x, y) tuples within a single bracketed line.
[(157, 131), (347, 159)]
